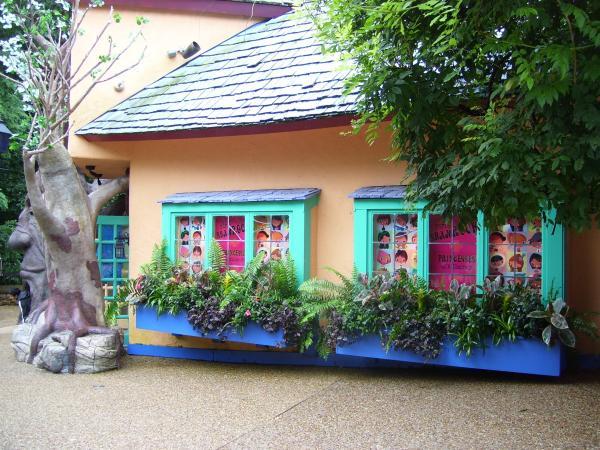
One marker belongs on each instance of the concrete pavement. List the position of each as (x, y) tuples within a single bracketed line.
[(161, 403)]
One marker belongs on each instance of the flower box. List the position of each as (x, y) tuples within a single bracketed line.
[(527, 356), (147, 319)]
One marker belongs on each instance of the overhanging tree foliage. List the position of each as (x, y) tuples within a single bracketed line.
[(494, 105)]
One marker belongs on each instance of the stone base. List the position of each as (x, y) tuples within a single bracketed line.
[(93, 353)]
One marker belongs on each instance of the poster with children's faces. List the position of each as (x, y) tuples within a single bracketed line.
[(271, 236), (452, 252), (190, 238), (515, 252), (395, 243), (230, 234)]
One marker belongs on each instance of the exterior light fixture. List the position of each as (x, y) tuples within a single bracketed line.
[(190, 50), (5, 135), (120, 244)]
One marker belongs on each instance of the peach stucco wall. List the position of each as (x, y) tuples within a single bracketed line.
[(166, 30), (319, 158), (583, 278)]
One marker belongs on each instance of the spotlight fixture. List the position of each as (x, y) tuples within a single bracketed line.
[(190, 50)]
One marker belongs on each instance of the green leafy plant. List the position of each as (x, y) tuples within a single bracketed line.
[(111, 312), (555, 314), (479, 96), (216, 256)]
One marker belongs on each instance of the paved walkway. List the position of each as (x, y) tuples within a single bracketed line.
[(161, 403)]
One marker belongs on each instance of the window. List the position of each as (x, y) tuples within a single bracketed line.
[(393, 235), (230, 233), (112, 251), (190, 241), (395, 238), (274, 222), (271, 236), (452, 252), (515, 252)]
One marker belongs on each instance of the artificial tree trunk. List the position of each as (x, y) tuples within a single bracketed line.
[(66, 215)]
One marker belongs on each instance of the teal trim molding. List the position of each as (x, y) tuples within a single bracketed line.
[(299, 212)]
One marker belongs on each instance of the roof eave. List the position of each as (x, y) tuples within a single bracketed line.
[(275, 127), (226, 7)]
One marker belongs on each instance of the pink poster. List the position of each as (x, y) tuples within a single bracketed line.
[(230, 232), (452, 252)]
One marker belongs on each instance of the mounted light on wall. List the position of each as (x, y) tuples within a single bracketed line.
[(190, 50), (5, 135), (94, 174), (187, 52), (120, 244)]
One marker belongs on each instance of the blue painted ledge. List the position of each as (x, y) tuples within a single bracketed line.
[(260, 357), (522, 356), (147, 319)]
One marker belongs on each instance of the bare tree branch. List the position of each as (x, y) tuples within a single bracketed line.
[(106, 70), (42, 146), (91, 49), (126, 69), (20, 83), (104, 193)]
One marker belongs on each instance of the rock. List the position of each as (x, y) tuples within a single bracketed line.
[(93, 353), (52, 355), (21, 339)]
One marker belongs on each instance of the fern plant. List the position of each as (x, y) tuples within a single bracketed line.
[(160, 264), (216, 256)]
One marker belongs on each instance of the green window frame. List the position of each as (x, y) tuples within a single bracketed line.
[(365, 210), (107, 233), (299, 212)]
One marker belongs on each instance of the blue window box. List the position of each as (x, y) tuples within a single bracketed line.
[(147, 319), (527, 356)]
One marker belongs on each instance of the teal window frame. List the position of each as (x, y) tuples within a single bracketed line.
[(553, 242), (115, 222), (299, 212)]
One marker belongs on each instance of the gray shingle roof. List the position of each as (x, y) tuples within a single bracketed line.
[(271, 72), (379, 192), (262, 195)]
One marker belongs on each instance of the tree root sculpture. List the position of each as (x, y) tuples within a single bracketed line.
[(68, 312)]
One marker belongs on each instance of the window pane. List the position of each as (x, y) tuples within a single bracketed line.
[(107, 270), (108, 232), (271, 236), (452, 252), (122, 231), (515, 252), (230, 232), (395, 238), (107, 251), (190, 242)]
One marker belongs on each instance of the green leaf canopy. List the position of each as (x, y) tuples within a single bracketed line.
[(493, 105)]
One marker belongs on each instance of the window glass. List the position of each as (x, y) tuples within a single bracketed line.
[(395, 243), (271, 236), (515, 252), (452, 252), (190, 241), (230, 232)]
